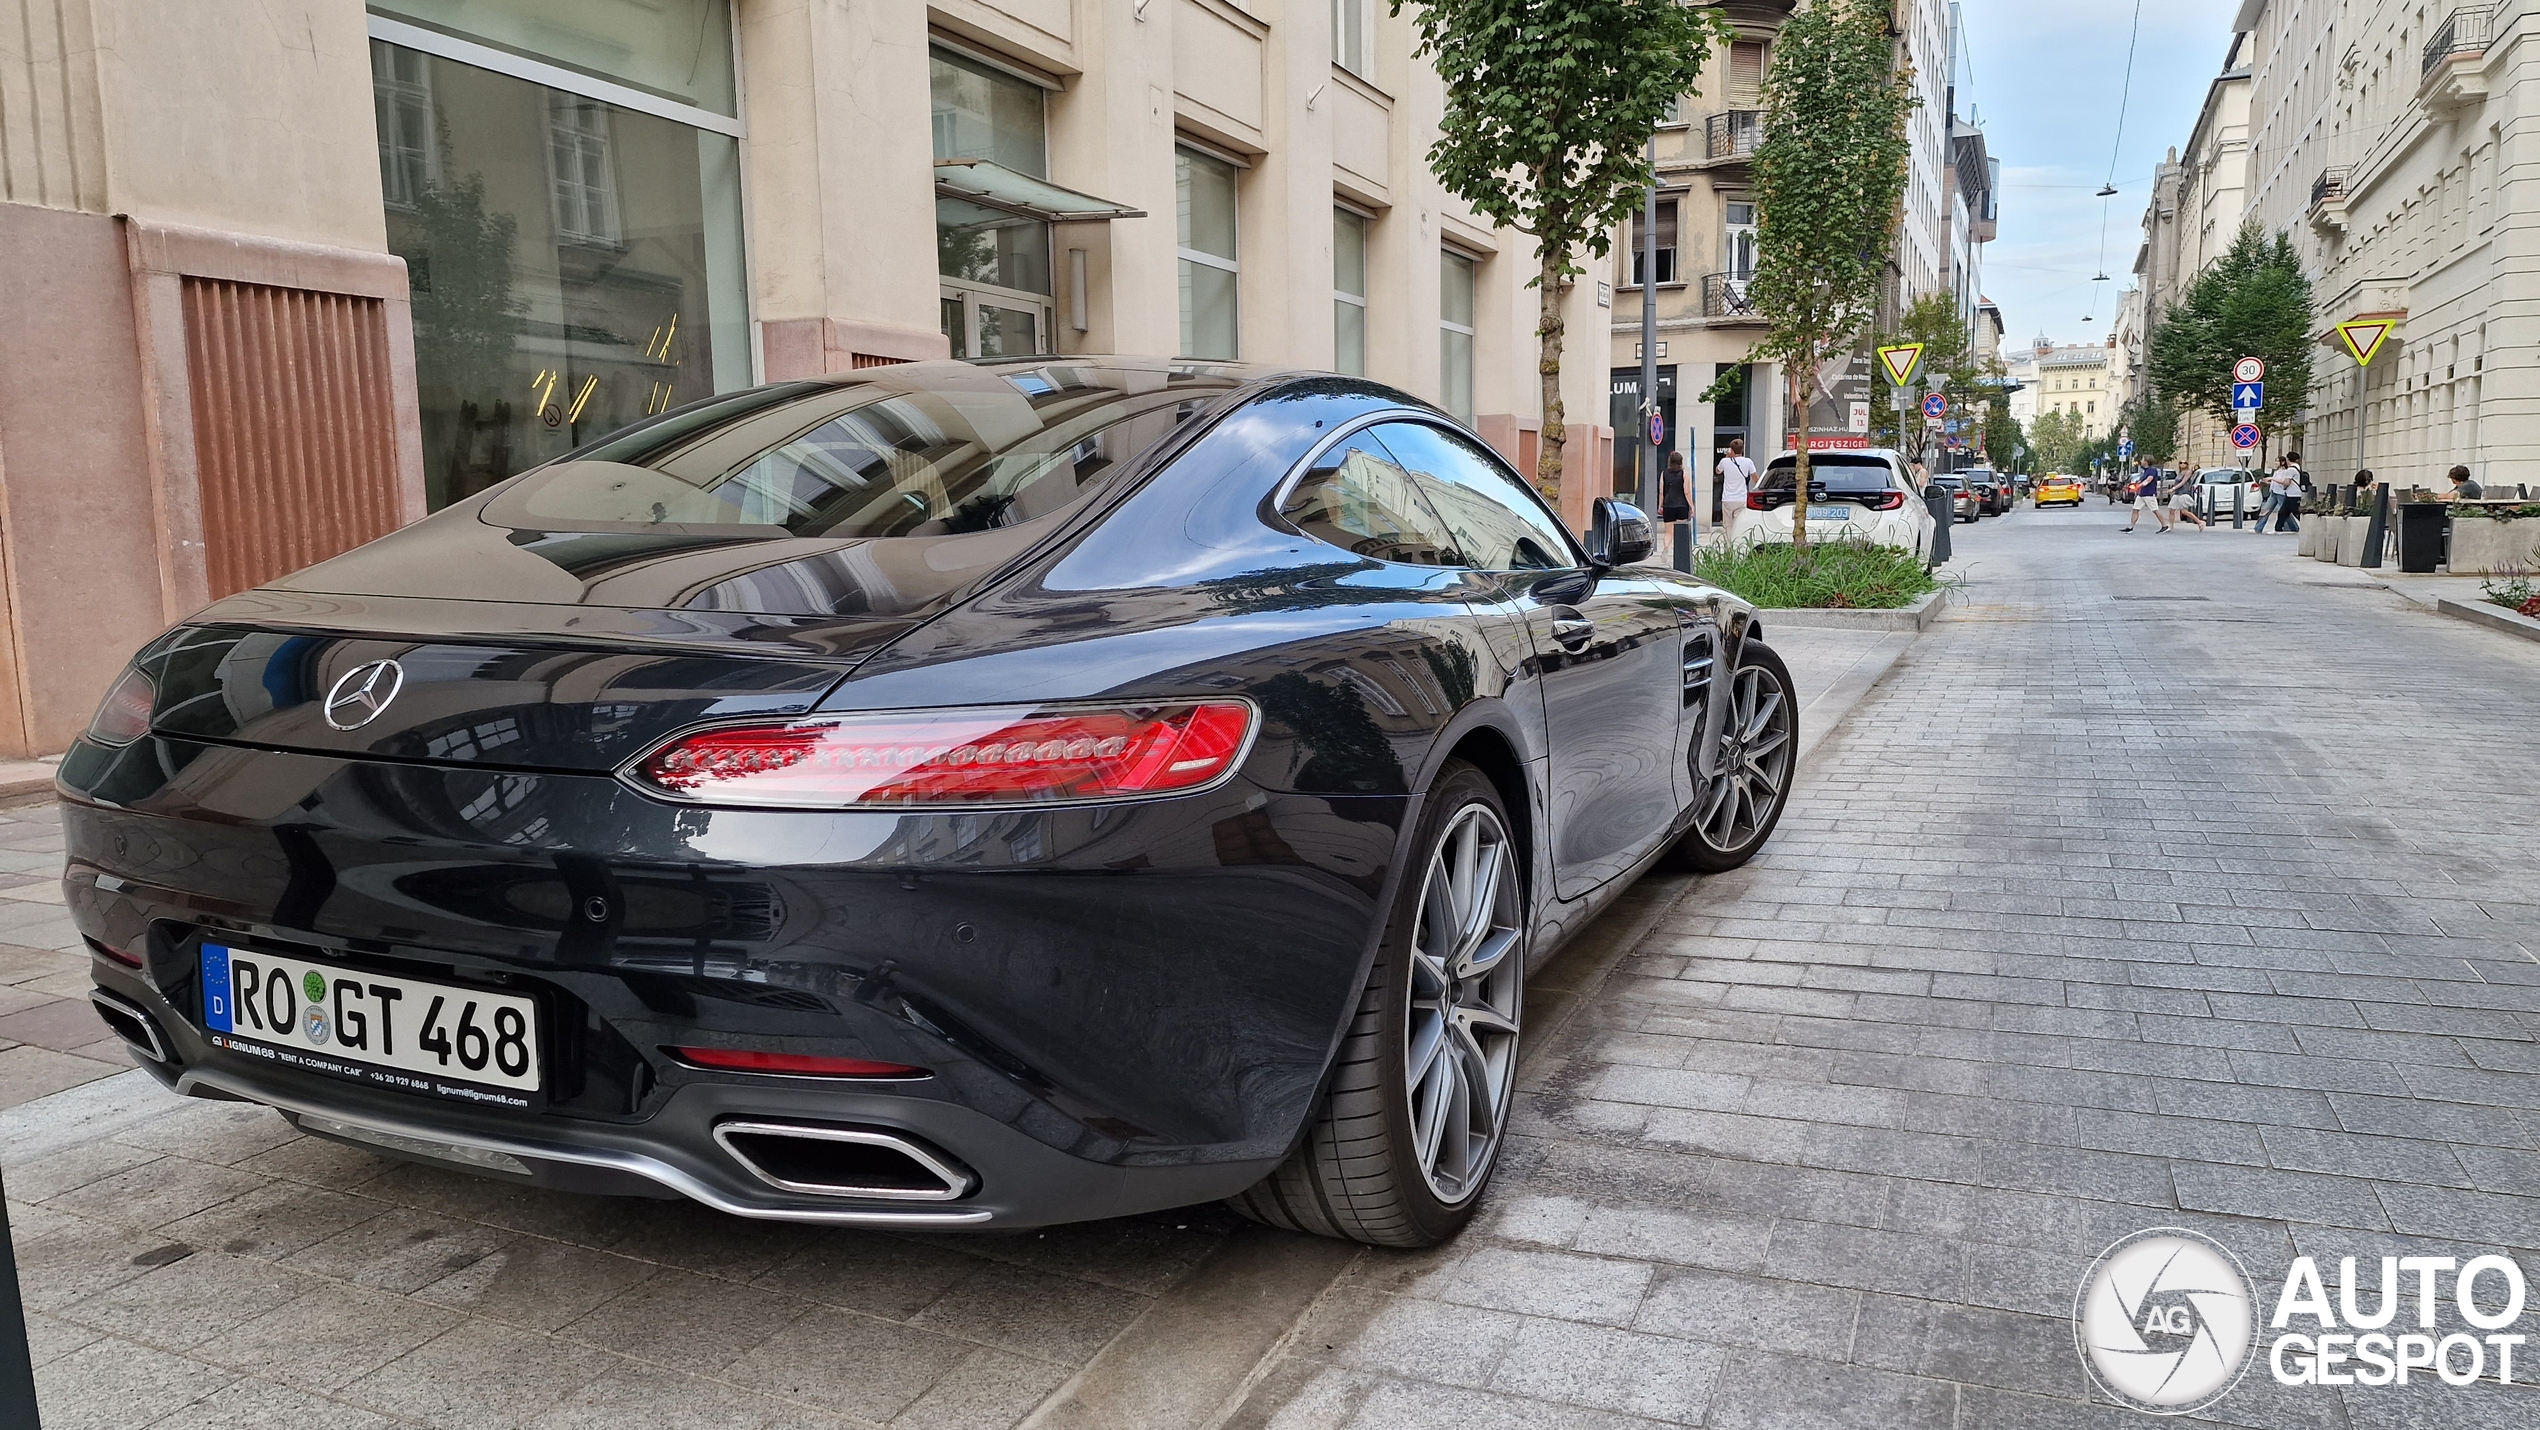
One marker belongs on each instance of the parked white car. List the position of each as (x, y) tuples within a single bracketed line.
[(2214, 490), (1855, 496)]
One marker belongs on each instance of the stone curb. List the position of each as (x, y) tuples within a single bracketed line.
[(2492, 616), (1915, 617)]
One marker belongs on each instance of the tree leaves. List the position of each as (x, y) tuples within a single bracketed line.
[(2254, 301), (1549, 106)]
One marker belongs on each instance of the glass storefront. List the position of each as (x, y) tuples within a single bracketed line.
[(575, 264)]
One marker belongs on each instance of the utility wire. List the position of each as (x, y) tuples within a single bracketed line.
[(2116, 147)]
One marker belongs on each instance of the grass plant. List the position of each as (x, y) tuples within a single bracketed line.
[(1829, 575)]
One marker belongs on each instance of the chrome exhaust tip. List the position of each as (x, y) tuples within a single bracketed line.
[(822, 1161), (128, 1021)]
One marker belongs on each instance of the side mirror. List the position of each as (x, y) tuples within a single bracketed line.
[(1618, 534)]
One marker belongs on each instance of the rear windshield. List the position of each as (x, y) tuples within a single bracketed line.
[(931, 452), (1839, 473)]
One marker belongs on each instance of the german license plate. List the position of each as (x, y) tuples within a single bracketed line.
[(401, 1033), (1830, 513)]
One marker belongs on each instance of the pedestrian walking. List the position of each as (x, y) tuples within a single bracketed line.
[(1735, 474), (2464, 488), (2287, 483), (1675, 504), (2267, 509), (2145, 490), (2182, 501)]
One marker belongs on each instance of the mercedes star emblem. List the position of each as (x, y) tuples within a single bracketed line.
[(363, 693)]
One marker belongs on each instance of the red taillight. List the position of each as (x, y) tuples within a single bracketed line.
[(1887, 501), (791, 1064), (967, 758), (124, 716), (1757, 501)]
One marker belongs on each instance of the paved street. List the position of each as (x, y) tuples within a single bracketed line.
[(2131, 897)]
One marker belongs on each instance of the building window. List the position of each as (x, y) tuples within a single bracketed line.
[(1354, 36), (1666, 243), (401, 96), (1737, 228), (585, 185), (1204, 237), (1349, 292), (1455, 334), (1746, 74), (577, 264), (995, 300)]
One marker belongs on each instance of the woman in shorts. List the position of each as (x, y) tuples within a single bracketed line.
[(2182, 500)]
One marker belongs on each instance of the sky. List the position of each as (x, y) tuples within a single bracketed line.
[(2048, 78)]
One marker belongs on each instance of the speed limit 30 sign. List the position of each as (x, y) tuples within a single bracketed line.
[(2248, 370)]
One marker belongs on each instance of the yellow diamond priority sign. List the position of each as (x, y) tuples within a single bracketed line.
[(2363, 339), (1900, 360)]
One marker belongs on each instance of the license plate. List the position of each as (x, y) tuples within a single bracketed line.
[(1829, 513), (402, 1033)]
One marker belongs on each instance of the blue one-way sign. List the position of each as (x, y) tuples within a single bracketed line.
[(2248, 394)]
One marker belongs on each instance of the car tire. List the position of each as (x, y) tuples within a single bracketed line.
[(1767, 751), (1387, 1159)]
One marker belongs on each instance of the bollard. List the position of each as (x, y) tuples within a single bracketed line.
[(2377, 529), (17, 1370), (1944, 515), (2239, 504), (1684, 547)]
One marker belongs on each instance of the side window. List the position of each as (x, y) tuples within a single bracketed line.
[(1357, 498), (1495, 521)]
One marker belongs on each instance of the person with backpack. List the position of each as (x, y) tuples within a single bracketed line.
[(2287, 486)]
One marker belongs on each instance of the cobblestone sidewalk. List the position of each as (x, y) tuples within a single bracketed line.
[(2158, 886)]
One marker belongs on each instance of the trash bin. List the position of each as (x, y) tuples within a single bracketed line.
[(2424, 529)]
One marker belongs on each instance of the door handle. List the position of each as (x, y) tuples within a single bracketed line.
[(1573, 631)]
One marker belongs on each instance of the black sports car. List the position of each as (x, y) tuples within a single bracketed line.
[(943, 796)]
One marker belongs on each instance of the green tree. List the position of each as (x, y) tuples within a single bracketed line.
[(1549, 105), (1829, 179), (2151, 419), (2254, 301), (2005, 446), (2057, 439)]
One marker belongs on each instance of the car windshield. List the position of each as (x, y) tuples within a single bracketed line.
[(932, 451), (1838, 473)]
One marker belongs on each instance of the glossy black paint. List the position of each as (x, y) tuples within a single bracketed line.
[(1122, 1006)]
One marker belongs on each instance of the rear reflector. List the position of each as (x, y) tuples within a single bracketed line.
[(959, 758), (791, 1064)]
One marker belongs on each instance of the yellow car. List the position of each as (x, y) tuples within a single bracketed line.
[(2059, 491)]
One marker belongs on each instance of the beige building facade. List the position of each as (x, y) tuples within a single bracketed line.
[(2083, 378), (2384, 137), (1706, 251), (2199, 196), (283, 277)]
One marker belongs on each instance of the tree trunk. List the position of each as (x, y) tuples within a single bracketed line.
[(1801, 378), (1550, 328)]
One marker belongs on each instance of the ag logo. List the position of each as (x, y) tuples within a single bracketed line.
[(2165, 1320)]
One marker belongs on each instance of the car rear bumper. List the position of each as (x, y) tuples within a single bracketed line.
[(1116, 1016), (998, 1177)]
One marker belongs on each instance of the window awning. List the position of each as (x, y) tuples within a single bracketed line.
[(984, 181)]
